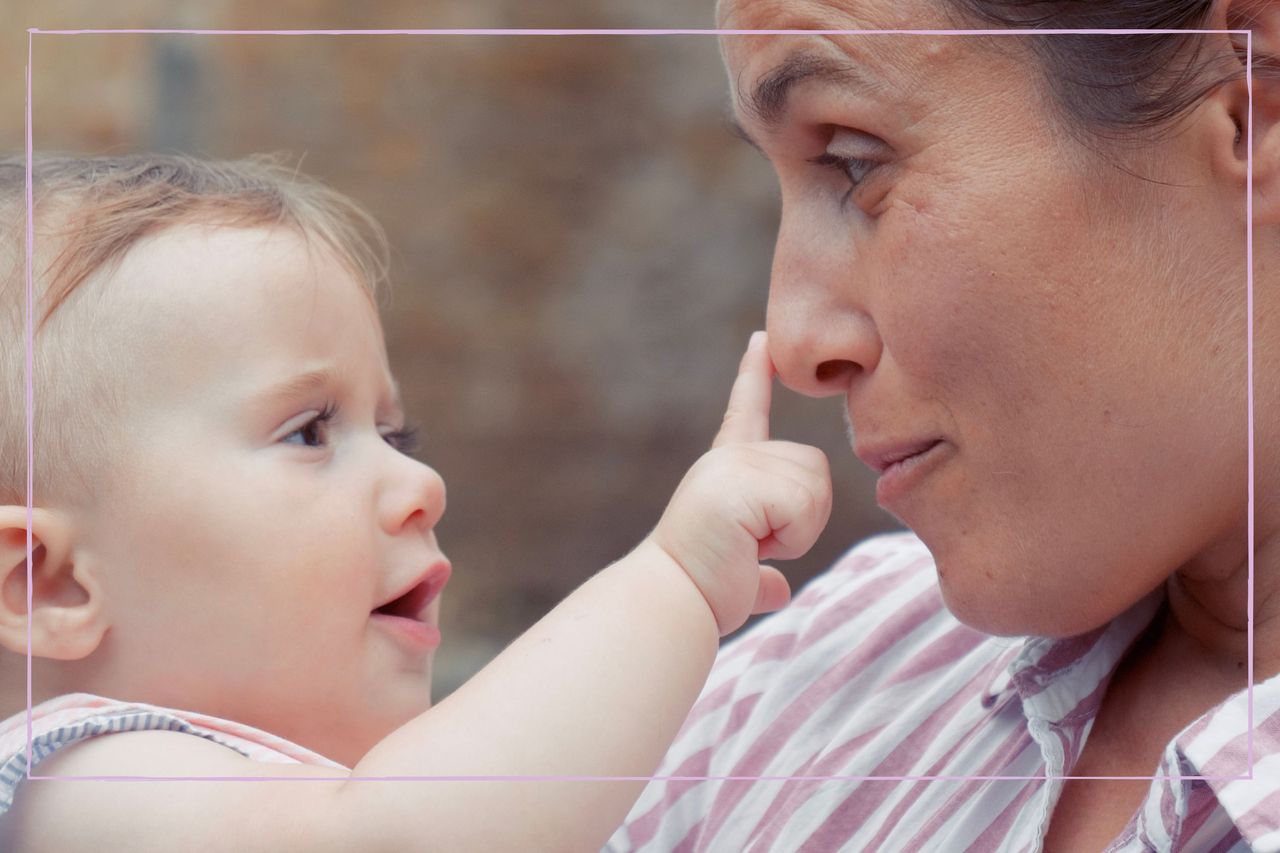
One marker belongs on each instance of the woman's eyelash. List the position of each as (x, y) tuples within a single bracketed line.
[(854, 169)]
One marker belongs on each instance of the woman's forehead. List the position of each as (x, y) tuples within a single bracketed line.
[(887, 59), (905, 76), (833, 14)]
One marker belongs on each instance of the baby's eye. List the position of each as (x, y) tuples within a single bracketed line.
[(404, 440), (854, 169), (315, 432)]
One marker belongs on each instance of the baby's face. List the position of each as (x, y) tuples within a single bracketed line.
[(246, 552)]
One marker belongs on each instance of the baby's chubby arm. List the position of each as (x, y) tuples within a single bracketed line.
[(600, 686)]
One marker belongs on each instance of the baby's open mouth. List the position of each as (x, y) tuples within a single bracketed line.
[(413, 602), (408, 605), (407, 615)]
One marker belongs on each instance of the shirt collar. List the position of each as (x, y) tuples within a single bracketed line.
[(1217, 747), (1058, 679), (1061, 683)]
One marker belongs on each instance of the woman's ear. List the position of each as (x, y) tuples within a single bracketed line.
[(1262, 17), (67, 620)]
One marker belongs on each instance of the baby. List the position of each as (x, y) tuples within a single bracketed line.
[(229, 540)]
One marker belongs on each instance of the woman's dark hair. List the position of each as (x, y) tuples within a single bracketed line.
[(1119, 87)]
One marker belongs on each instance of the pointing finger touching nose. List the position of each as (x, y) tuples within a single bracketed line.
[(746, 419)]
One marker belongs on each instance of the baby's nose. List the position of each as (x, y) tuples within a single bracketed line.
[(417, 498)]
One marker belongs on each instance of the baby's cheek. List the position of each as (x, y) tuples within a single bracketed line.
[(338, 571)]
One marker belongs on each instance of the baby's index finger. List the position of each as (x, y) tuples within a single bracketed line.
[(746, 419)]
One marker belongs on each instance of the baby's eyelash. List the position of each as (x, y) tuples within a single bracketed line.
[(405, 440), (327, 413), (317, 427)]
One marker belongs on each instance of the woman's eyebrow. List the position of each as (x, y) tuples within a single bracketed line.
[(767, 101)]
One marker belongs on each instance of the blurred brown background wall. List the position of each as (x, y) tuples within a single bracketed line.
[(581, 248)]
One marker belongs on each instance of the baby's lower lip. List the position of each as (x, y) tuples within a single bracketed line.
[(418, 635)]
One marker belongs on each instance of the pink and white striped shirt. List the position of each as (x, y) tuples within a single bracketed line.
[(866, 673), (75, 717)]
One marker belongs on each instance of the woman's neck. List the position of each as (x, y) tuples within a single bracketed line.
[(1209, 612)]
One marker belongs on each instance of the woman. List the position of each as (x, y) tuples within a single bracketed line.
[(1022, 261)]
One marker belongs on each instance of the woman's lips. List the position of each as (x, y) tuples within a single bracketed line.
[(901, 467), (880, 456)]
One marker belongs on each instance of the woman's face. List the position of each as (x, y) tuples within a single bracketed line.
[(1070, 341)]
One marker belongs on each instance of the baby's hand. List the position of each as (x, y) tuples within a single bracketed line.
[(745, 500)]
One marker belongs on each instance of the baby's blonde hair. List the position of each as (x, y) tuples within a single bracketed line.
[(89, 212)]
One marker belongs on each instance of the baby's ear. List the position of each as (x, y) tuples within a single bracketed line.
[(68, 617)]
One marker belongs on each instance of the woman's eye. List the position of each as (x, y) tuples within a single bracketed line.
[(854, 169), (315, 432)]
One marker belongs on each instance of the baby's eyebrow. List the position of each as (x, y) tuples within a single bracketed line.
[(297, 386), (313, 380)]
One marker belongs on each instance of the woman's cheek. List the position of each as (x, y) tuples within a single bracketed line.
[(931, 308)]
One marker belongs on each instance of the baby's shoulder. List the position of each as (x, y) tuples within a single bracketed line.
[(115, 812), (56, 724), (82, 737), (157, 753)]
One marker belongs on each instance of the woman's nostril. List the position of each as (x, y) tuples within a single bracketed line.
[(833, 371)]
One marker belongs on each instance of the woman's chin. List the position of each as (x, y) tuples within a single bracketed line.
[(978, 599)]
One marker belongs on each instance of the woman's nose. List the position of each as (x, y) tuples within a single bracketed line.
[(415, 496), (820, 336)]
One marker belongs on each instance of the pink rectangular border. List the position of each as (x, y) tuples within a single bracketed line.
[(29, 344)]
